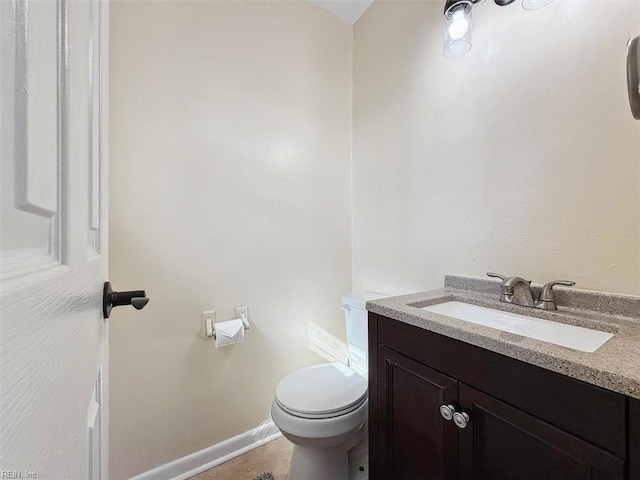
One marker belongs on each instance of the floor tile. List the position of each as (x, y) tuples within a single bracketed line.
[(274, 457)]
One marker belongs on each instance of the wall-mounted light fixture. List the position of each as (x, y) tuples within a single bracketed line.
[(457, 28), (457, 23)]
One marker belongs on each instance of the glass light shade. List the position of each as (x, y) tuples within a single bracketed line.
[(457, 30), (458, 25), (535, 4)]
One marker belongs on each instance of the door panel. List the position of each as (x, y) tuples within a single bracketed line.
[(417, 442), (37, 109), (53, 340), (94, 158), (31, 163), (504, 442)]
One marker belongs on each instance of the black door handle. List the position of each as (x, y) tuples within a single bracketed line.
[(137, 298)]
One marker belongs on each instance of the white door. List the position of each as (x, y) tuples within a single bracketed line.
[(53, 239)]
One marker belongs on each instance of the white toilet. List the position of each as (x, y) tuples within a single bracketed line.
[(322, 409)]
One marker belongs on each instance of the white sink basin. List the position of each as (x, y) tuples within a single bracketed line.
[(570, 336)]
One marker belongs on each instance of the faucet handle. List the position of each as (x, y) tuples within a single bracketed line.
[(546, 300), (546, 294), (497, 275)]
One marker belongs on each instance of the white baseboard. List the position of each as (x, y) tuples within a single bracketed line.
[(198, 462)]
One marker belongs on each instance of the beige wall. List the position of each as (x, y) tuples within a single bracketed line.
[(230, 185), (521, 157)]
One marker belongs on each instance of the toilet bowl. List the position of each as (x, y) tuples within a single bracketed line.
[(322, 409)]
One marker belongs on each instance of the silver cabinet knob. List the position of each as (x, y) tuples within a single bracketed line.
[(461, 419), (447, 411)]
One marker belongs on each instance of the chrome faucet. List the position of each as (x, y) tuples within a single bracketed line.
[(508, 289), (546, 300)]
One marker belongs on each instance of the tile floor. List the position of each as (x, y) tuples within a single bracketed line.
[(274, 457)]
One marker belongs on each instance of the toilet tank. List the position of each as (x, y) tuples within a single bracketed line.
[(355, 314)]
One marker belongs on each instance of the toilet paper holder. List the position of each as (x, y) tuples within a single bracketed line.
[(241, 312)]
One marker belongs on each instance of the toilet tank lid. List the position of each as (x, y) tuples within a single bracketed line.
[(359, 299)]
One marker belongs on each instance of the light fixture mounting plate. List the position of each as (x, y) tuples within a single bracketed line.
[(452, 5)]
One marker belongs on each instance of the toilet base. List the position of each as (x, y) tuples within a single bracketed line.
[(326, 464), (348, 460), (359, 460)]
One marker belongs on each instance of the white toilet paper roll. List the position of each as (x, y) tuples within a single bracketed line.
[(229, 332)]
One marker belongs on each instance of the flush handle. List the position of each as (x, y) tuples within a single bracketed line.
[(136, 298)]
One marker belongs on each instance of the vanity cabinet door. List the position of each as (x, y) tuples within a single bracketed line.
[(634, 439), (414, 440), (501, 442)]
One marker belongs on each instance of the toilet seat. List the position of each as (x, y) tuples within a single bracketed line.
[(321, 391)]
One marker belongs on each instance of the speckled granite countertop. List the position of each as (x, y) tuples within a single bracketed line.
[(614, 366)]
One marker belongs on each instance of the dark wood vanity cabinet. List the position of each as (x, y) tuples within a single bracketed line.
[(524, 422), (504, 442), (413, 441)]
